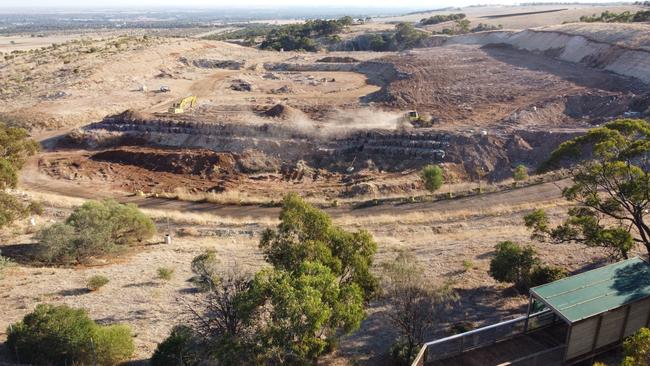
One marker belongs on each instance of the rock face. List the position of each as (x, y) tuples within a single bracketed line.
[(389, 150), (562, 44)]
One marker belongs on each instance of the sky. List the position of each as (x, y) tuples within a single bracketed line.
[(423, 4)]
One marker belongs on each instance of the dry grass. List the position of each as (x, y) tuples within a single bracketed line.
[(423, 217), (443, 242)]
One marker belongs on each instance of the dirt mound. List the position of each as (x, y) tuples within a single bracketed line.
[(131, 115), (241, 85), (286, 89), (218, 64), (283, 112), (255, 161), (203, 163), (338, 59)]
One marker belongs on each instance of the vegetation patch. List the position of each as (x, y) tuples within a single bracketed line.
[(96, 228), (61, 335)]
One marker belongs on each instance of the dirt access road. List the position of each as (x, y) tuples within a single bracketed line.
[(33, 180)]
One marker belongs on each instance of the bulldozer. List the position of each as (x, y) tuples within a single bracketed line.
[(183, 104), (413, 116)]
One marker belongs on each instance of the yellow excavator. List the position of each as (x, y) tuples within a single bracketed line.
[(183, 104)]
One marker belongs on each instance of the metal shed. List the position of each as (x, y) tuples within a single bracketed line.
[(568, 321), (601, 307)]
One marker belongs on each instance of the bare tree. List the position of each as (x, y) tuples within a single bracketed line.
[(415, 306)]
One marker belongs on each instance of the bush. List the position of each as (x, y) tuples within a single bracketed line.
[(399, 353), (60, 335), (205, 269), (433, 178), (467, 265), (521, 266), (113, 343), (180, 348), (95, 228), (512, 263), (636, 349), (436, 19), (165, 273), (520, 173), (544, 274), (96, 282)]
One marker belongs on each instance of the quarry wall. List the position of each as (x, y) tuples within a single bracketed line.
[(626, 61)]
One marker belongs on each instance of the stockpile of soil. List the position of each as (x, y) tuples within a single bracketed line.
[(338, 59), (283, 112), (131, 115), (203, 163), (255, 161)]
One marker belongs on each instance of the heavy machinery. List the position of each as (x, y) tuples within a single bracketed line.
[(183, 104), (413, 116)]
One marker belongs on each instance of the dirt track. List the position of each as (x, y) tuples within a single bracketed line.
[(33, 180)]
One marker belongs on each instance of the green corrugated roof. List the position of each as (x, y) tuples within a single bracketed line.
[(597, 291)]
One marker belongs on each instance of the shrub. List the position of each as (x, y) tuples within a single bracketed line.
[(520, 173), (541, 275), (58, 335), (165, 273), (400, 353), (636, 349), (205, 267), (512, 263), (433, 177), (113, 343), (95, 228), (180, 348), (467, 265), (521, 266), (96, 282)]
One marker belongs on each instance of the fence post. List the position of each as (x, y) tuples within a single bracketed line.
[(11, 330), (92, 347)]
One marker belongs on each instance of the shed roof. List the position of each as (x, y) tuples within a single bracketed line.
[(594, 292)]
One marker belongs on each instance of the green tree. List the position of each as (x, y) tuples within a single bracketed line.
[(346, 21), (303, 312), (407, 36), (433, 177), (307, 234), (611, 187), (520, 173), (462, 26), (377, 43), (636, 349), (15, 148), (59, 335), (95, 228), (293, 312), (416, 307)]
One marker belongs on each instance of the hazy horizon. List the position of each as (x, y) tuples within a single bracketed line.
[(211, 4)]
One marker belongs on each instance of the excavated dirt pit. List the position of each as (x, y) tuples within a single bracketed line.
[(493, 86), (157, 170), (492, 108)]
